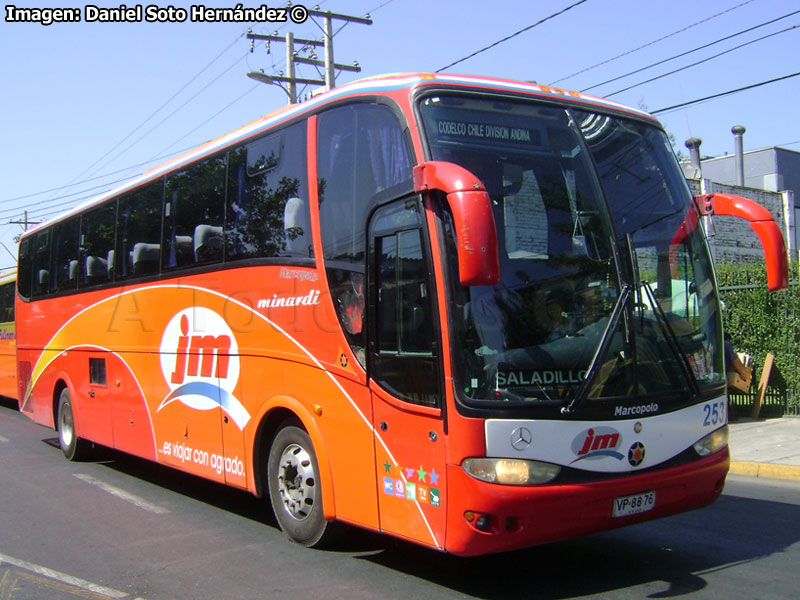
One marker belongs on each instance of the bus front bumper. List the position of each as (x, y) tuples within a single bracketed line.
[(485, 518)]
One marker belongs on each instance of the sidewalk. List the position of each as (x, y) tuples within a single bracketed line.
[(766, 447)]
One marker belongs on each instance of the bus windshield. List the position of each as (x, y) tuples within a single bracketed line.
[(606, 289)]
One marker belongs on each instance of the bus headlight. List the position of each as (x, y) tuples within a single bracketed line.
[(713, 442), (510, 471)]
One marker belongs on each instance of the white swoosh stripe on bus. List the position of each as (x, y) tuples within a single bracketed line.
[(277, 328)]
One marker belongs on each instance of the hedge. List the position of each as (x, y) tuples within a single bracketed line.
[(761, 321)]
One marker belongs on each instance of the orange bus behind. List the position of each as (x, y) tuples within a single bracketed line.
[(8, 340)]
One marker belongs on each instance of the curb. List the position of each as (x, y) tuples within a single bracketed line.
[(768, 470)]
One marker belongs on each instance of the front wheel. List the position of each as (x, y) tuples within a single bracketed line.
[(294, 487), (72, 446)]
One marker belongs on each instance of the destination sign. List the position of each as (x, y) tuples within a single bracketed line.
[(542, 377), (487, 131)]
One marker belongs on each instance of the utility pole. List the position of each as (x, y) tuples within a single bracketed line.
[(292, 58), (290, 68), (24, 221)]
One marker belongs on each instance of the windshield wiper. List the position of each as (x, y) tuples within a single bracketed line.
[(594, 367), (661, 318), (669, 333)]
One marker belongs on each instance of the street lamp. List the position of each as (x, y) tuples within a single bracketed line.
[(262, 77)]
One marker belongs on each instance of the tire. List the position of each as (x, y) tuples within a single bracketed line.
[(294, 488), (72, 446)]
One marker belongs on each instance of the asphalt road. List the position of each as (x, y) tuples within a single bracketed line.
[(118, 527)]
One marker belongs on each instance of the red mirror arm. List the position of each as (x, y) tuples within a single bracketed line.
[(762, 223), (476, 232)]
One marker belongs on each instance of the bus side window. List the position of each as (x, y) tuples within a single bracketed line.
[(24, 268), (403, 308), (267, 198), (194, 210), (97, 244), (361, 150), (138, 247), (41, 264), (66, 236), (7, 302)]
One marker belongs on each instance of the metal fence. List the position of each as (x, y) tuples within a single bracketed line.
[(775, 404)]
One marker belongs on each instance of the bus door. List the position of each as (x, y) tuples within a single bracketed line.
[(405, 376)]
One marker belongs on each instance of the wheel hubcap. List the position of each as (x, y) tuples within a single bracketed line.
[(296, 481)]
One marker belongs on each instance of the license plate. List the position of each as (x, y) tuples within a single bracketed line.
[(633, 505)]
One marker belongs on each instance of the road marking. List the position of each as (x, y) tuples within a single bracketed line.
[(122, 494), (62, 577)]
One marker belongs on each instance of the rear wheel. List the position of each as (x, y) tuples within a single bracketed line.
[(72, 446), (294, 487)]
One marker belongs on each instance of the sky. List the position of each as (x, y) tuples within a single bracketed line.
[(85, 105)]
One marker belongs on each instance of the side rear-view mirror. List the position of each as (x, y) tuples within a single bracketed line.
[(762, 223), (476, 232)]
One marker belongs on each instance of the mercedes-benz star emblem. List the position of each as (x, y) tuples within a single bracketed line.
[(521, 438)]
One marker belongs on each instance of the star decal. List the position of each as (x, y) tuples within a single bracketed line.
[(434, 477), (421, 473), (387, 468)]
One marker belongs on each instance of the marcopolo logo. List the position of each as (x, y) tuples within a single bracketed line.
[(200, 363), (597, 442)]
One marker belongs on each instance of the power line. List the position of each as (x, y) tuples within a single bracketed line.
[(508, 37), (108, 183), (661, 39), (31, 207), (51, 206), (63, 187), (216, 114), (699, 62), (721, 94), (170, 115), (10, 253), (159, 157), (48, 206), (154, 113), (703, 47)]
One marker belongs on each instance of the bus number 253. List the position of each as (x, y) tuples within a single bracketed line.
[(714, 413)]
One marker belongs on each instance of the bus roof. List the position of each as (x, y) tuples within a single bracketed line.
[(362, 87)]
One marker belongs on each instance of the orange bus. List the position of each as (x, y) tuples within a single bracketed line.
[(471, 313), (8, 339)]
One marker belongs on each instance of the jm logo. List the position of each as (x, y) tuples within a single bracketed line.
[(200, 363), (597, 442), (195, 351)]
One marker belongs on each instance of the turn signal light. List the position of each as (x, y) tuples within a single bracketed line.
[(481, 521)]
